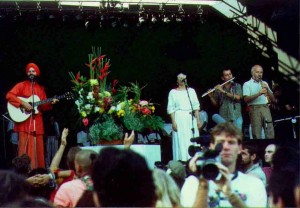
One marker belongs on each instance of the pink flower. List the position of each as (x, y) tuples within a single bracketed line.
[(85, 121), (143, 102)]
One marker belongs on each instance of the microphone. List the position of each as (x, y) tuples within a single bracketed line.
[(184, 80), (266, 123), (31, 77)]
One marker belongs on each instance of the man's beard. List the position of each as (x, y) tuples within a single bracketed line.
[(243, 163)]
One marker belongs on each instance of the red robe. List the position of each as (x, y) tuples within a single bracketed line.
[(28, 144)]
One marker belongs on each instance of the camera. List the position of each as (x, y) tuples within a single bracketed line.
[(206, 164), (202, 141)]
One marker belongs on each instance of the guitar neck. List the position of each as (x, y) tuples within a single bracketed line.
[(49, 100)]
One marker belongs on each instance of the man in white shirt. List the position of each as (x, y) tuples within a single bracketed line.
[(257, 94), (232, 188)]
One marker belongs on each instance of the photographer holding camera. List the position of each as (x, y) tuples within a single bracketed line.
[(227, 188)]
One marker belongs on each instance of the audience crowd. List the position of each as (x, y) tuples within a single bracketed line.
[(114, 177)]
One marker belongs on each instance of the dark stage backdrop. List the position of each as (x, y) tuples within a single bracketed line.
[(151, 55)]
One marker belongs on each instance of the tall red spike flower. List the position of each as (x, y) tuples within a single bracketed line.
[(103, 76), (105, 68), (115, 81), (77, 76)]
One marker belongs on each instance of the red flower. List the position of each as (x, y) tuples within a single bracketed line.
[(105, 68), (103, 76), (115, 81), (85, 121), (107, 101), (77, 76), (146, 111), (100, 57)]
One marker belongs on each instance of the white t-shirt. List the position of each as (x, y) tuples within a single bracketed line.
[(250, 189)]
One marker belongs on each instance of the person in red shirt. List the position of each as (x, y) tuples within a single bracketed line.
[(30, 130)]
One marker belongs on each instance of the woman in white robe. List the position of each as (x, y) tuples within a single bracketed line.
[(181, 102)]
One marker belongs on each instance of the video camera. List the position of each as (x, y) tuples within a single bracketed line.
[(206, 163), (203, 142)]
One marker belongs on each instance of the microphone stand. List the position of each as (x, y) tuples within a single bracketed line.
[(293, 121), (193, 112), (5, 118), (34, 121)]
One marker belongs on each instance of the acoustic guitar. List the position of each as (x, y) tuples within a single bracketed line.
[(19, 114)]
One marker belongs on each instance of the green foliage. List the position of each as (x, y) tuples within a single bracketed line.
[(105, 130), (154, 123), (132, 121), (139, 122)]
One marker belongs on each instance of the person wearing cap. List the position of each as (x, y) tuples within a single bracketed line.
[(30, 130), (183, 108), (177, 170)]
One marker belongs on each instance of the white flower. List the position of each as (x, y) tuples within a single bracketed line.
[(112, 109), (88, 107), (77, 103), (119, 107), (90, 96), (96, 110)]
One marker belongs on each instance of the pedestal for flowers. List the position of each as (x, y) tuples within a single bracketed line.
[(109, 111)]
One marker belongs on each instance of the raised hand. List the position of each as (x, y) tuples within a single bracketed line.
[(64, 135), (128, 140)]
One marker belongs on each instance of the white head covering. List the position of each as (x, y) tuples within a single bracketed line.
[(181, 76)]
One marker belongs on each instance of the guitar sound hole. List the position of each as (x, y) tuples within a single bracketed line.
[(27, 112)]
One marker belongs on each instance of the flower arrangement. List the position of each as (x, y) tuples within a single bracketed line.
[(108, 111)]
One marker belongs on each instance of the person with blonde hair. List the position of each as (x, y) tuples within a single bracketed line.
[(183, 108), (166, 189)]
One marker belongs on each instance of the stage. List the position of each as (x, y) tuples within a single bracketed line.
[(151, 152)]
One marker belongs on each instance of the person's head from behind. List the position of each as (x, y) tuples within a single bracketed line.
[(22, 164), (231, 138), (284, 180), (71, 157), (122, 179), (12, 187), (29, 202), (166, 189), (282, 186), (84, 161), (269, 152)]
